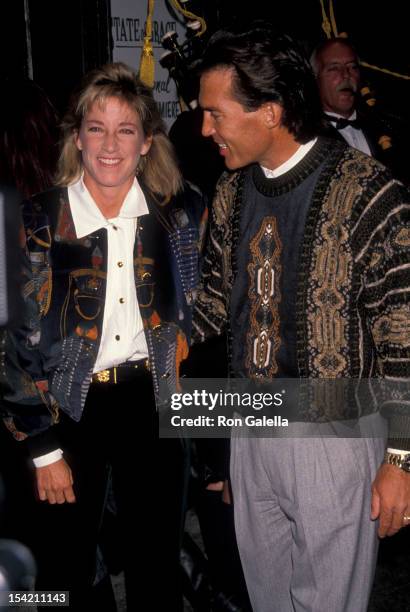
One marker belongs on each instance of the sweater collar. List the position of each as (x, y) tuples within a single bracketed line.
[(297, 174), (291, 162)]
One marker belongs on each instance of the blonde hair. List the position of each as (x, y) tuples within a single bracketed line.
[(158, 169)]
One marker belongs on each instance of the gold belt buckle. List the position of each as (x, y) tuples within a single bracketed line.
[(103, 376), (145, 365)]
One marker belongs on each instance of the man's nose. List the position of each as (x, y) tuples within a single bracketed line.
[(347, 71), (207, 124)]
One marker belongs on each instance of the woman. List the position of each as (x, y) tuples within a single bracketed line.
[(112, 264)]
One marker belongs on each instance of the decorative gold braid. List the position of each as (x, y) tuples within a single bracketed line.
[(393, 328), (330, 29), (332, 19), (328, 293), (37, 240), (191, 16), (147, 63), (44, 294), (406, 77), (326, 26), (264, 270), (402, 238), (222, 209)]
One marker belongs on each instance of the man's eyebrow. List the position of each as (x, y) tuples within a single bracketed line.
[(208, 108), (340, 63)]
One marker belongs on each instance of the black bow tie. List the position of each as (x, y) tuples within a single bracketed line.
[(341, 122)]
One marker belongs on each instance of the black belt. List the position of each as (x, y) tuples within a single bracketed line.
[(123, 372)]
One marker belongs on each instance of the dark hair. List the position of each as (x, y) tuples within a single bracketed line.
[(268, 67), (28, 136)]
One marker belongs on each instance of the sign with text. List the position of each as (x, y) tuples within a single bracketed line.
[(128, 30), (282, 407)]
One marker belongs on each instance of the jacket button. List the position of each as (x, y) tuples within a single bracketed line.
[(122, 300), (120, 264), (117, 337)]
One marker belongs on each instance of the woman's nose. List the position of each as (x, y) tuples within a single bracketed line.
[(110, 142)]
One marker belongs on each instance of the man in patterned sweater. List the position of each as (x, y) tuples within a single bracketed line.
[(308, 269)]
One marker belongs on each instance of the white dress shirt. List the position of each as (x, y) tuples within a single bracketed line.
[(353, 136), (122, 337)]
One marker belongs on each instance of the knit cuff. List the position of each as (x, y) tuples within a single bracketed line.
[(399, 432)]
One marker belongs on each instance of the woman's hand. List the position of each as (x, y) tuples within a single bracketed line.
[(55, 483)]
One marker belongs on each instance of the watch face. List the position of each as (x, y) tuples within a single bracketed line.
[(406, 463)]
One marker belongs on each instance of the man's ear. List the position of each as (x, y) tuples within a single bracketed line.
[(272, 114)]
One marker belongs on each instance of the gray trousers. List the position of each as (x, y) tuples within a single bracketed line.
[(302, 519)]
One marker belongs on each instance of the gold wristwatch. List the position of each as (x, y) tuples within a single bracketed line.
[(400, 460)]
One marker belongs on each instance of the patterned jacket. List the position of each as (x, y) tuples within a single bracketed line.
[(353, 283), (48, 362)]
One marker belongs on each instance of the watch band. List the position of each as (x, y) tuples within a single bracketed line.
[(401, 461)]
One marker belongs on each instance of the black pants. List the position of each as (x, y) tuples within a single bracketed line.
[(116, 436)]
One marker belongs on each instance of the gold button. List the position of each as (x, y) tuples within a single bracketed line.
[(120, 264), (117, 337), (122, 300)]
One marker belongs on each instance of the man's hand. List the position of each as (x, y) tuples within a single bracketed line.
[(390, 499), (55, 483)]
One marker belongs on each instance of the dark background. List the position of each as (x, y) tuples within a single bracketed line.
[(65, 38), (68, 38), (379, 32)]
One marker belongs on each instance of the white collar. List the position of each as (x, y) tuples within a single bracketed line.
[(88, 218), (331, 114), (291, 162)]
